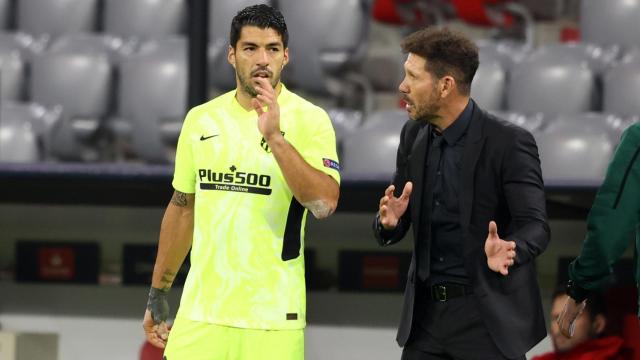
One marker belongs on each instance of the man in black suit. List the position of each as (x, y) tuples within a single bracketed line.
[(472, 191)]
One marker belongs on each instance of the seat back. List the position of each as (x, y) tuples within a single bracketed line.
[(144, 19), (610, 22), (489, 83), (370, 152), (18, 140), (57, 17), (621, 87), (552, 82), (574, 153), (153, 96), (326, 43)]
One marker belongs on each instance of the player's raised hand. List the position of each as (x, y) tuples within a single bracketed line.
[(500, 253), (269, 119), (391, 208)]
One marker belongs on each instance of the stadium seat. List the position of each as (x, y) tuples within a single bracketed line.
[(144, 19), (6, 14), (221, 73), (552, 81), (153, 97), (57, 17), (78, 76), (13, 65), (489, 83), (609, 124), (611, 22), (574, 153), (532, 123), (18, 140), (370, 152), (621, 87), (325, 45)]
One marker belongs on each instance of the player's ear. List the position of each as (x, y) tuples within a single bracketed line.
[(231, 56)]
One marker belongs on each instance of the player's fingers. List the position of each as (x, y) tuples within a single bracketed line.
[(257, 106)]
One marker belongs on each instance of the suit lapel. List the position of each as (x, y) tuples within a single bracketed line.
[(418, 155), (471, 154)]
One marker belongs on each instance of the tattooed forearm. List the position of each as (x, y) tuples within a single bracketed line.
[(167, 280), (179, 199)]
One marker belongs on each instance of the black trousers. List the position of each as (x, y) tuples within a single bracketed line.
[(451, 330)]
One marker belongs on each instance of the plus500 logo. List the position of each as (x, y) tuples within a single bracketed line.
[(236, 177)]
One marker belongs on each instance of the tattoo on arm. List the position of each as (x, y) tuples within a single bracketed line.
[(167, 279), (179, 199)]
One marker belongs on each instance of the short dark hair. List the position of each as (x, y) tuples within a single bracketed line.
[(262, 16), (447, 52), (595, 301)]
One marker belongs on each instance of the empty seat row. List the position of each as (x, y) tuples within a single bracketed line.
[(559, 79), (573, 148), (99, 90)]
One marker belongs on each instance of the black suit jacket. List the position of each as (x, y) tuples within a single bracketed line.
[(501, 181)]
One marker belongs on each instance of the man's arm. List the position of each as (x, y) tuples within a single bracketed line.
[(314, 189), (176, 234), (524, 192), (388, 235), (612, 220), (613, 217)]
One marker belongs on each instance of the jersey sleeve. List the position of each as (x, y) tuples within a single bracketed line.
[(184, 176), (320, 151)]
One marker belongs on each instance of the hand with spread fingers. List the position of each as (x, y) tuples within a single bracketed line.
[(567, 319), (500, 253), (269, 120), (392, 208)]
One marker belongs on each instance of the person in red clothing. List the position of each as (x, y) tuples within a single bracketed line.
[(588, 341)]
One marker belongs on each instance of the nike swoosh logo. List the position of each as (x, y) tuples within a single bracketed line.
[(202, 137)]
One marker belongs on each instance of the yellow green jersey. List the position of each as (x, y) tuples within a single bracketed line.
[(247, 259)]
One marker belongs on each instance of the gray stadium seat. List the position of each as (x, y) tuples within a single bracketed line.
[(574, 154), (327, 38), (18, 140), (221, 73), (507, 53), (6, 14), (489, 83), (621, 87), (153, 97), (57, 17), (552, 82), (144, 19), (609, 124), (532, 123), (13, 65), (610, 22), (78, 77), (370, 152)]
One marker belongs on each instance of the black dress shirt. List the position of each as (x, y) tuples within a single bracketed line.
[(446, 252)]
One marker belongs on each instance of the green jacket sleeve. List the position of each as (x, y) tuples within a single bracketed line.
[(613, 217)]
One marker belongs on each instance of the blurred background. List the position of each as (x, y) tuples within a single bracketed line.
[(92, 98)]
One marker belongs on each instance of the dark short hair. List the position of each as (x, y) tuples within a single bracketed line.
[(262, 16), (447, 52), (595, 301)]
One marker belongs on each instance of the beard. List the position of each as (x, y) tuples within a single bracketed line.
[(248, 85)]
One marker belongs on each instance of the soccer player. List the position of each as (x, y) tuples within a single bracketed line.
[(249, 165)]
